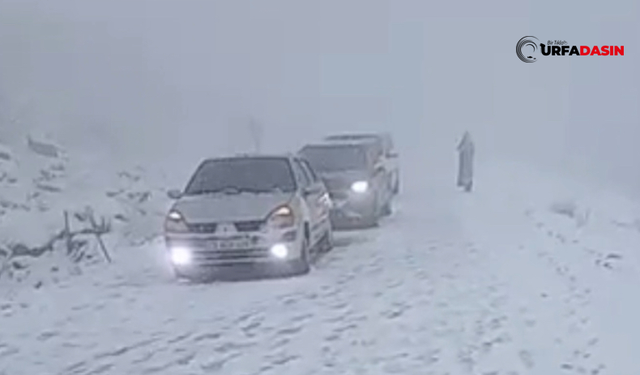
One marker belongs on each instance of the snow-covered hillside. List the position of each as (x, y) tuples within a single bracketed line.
[(529, 274), (40, 183)]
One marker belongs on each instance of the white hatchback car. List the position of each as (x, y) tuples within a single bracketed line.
[(259, 210)]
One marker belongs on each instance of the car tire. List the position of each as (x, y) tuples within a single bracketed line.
[(371, 220), (327, 243), (184, 278), (387, 209), (396, 185)]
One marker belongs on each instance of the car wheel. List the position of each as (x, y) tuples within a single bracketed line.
[(372, 218), (183, 277), (387, 210), (327, 242), (396, 185)]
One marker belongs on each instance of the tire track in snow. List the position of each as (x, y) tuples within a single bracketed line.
[(577, 303), (547, 312), (417, 295)]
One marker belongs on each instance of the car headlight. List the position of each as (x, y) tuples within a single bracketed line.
[(180, 256), (175, 223), (279, 251), (360, 186), (281, 217)]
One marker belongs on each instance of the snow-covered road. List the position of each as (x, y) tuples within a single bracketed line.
[(452, 284)]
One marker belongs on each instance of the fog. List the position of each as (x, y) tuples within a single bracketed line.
[(168, 82)]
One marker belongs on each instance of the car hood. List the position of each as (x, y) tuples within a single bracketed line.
[(227, 208), (342, 179)]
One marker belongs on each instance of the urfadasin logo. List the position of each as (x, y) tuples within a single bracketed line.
[(528, 46), (528, 42)]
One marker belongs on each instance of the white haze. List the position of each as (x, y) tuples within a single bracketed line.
[(168, 82)]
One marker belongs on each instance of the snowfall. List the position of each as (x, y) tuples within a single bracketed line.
[(531, 273)]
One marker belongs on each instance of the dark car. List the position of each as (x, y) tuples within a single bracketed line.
[(388, 154), (355, 178)]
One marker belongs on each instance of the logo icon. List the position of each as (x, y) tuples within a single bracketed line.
[(226, 227), (529, 42)]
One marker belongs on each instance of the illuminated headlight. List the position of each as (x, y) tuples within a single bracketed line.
[(360, 186), (280, 218), (279, 251), (180, 256)]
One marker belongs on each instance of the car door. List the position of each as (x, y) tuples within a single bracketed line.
[(324, 203), (381, 176), (310, 198), (382, 160), (392, 158)]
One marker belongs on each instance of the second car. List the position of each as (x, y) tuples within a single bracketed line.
[(356, 180)]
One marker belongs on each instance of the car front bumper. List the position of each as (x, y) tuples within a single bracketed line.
[(351, 208), (190, 252)]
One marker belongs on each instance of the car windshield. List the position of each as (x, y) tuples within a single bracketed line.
[(239, 175), (335, 158)]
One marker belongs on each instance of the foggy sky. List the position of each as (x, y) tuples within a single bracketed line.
[(183, 77)]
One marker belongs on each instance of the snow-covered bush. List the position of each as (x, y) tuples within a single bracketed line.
[(43, 145), (68, 248), (141, 206), (5, 153), (571, 210)]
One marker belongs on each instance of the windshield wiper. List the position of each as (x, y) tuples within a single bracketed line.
[(271, 190), (224, 190), (233, 190)]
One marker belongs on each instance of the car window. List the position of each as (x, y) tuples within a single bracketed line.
[(374, 152), (310, 172), (300, 173), (379, 147), (336, 158), (389, 144), (238, 175), (386, 148)]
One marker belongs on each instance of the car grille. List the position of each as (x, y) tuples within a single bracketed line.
[(207, 257), (241, 226), (248, 226), (202, 227), (338, 195), (336, 184)]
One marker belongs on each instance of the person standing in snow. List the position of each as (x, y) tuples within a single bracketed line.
[(466, 151)]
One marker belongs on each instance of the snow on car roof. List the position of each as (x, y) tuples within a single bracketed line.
[(357, 135), (339, 142), (351, 136), (253, 156)]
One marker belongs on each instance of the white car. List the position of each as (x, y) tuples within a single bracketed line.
[(261, 210)]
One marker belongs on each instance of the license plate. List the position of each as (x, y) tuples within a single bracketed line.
[(229, 244)]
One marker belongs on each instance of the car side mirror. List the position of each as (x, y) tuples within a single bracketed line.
[(174, 194)]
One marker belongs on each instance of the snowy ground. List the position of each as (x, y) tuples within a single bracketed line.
[(487, 283)]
